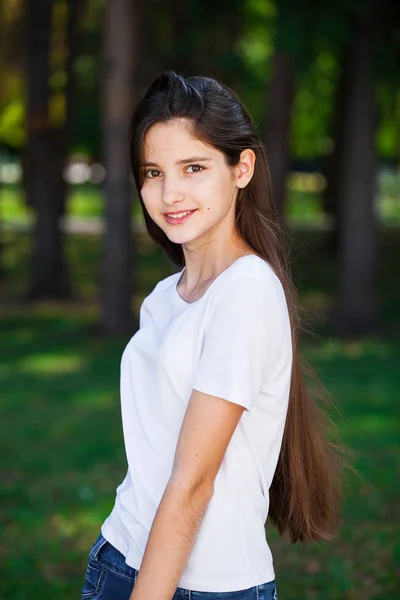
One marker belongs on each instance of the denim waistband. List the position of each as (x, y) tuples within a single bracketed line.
[(111, 559)]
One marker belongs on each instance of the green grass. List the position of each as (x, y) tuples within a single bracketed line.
[(62, 446)]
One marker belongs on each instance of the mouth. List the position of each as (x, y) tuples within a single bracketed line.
[(178, 218)]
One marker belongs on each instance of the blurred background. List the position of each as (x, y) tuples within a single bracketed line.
[(322, 82)]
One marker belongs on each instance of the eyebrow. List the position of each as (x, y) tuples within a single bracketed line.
[(182, 161)]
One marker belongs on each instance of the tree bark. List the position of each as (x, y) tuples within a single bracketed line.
[(280, 101), (149, 57), (66, 134), (356, 310), (118, 96), (334, 164), (44, 164)]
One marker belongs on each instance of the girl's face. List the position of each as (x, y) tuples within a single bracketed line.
[(188, 189)]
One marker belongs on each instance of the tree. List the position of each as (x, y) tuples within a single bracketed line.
[(49, 276), (118, 97), (357, 304), (280, 101), (292, 50), (334, 162), (46, 149)]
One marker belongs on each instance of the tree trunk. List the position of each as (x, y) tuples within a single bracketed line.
[(75, 7), (149, 56), (280, 100), (49, 277), (357, 304), (119, 63), (334, 164)]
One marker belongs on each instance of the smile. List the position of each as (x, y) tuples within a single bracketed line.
[(177, 218)]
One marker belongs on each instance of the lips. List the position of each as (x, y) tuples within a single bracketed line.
[(177, 218), (177, 215)]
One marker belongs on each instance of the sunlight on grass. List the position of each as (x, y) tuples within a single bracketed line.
[(85, 201), (72, 524), (96, 399), (352, 349), (49, 364)]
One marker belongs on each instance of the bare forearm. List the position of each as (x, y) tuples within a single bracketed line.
[(170, 542)]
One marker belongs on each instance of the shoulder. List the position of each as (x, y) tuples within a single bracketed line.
[(167, 283), (248, 277), (247, 303), (158, 292), (164, 285), (248, 296)]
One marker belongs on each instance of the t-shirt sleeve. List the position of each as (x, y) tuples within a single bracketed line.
[(242, 338)]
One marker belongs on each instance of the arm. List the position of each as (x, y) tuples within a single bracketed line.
[(207, 428)]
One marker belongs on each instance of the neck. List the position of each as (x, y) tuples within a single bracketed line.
[(203, 263)]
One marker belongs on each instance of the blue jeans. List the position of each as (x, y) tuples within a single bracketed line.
[(108, 577)]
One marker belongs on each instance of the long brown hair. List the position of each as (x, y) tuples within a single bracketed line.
[(306, 489)]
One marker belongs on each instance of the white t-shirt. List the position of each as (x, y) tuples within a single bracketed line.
[(233, 343)]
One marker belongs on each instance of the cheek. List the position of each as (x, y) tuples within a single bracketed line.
[(149, 199)]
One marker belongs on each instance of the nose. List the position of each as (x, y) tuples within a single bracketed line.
[(172, 192)]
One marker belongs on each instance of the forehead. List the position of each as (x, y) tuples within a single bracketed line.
[(172, 141)]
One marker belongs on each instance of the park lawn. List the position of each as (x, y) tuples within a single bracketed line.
[(62, 443)]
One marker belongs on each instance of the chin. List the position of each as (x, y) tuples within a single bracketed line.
[(180, 237)]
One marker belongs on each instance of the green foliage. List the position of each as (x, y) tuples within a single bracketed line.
[(389, 130), (312, 108), (256, 43), (236, 45), (12, 131)]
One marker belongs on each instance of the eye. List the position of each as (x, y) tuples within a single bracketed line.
[(151, 173), (195, 169)]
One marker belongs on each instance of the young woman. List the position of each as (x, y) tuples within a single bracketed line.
[(219, 428)]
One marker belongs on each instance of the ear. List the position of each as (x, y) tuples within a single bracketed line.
[(245, 168)]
